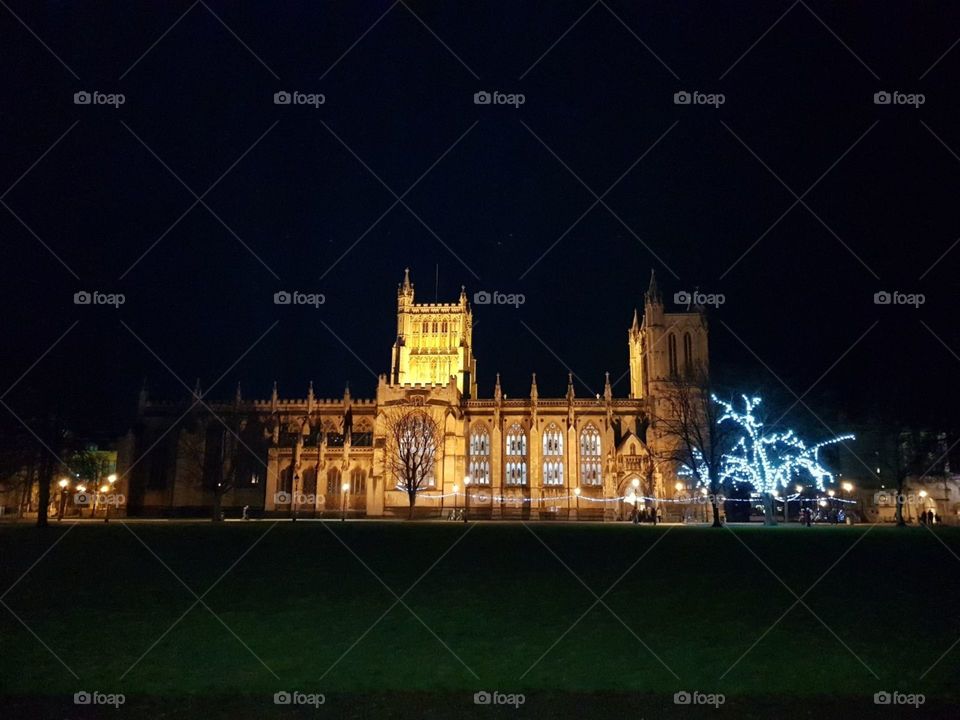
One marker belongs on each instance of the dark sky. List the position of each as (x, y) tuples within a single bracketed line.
[(599, 84)]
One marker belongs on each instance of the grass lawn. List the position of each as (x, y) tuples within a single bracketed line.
[(308, 606)]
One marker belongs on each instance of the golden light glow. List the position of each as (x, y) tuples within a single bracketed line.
[(104, 488), (345, 487), (576, 491), (848, 487), (799, 488), (831, 493), (456, 488), (678, 487), (112, 478), (63, 483), (81, 488), (635, 482), (923, 493)]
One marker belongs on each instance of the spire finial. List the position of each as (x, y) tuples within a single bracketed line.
[(653, 291), (406, 278)]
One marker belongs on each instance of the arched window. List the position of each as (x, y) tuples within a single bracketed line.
[(687, 353), (479, 455), (590, 456), (553, 455), (516, 456), (358, 481), (333, 481), (672, 353), (552, 440)]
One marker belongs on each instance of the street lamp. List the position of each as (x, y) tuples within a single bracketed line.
[(847, 487), (104, 489), (576, 491), (345, 488), (81, 488), (456, 493), (63, 497)]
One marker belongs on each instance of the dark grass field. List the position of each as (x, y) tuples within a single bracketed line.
[(314, 607)]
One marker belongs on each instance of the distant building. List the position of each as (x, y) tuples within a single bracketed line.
[(529, 456)]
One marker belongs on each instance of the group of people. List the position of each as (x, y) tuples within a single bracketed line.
[(647, 515), (929, 517), (834, 516)]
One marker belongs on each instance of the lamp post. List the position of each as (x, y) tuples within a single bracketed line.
[(636, 500), (63, 497), (466, 496), (104, 489), (576, 492), (456, 494), (345, 488)]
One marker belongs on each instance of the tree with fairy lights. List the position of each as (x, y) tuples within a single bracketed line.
[(770, 461)]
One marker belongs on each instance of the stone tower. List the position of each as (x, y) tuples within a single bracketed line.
[(434, 342)]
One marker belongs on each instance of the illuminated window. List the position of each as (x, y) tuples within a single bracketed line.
[(516, 456), (552, 440), (358, 481), (333, 481), (553, 472), (672, 353), (590, 456), (480, 455)]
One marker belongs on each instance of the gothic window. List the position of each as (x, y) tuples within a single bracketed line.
[(672, 353), (553, 472), (362, 435), (516, 456), (687, 353), (480, 455), (426, 328), (553, 452), (444, 328), (358, 481), (553, 440), (434, 327), (590, 456), (333, 481)]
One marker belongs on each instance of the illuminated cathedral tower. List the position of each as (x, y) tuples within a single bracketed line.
[(434, 342), (664, 345)]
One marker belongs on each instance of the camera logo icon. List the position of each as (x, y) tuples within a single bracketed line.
[(882, 97), (882, 698), (482, 98), (682, 298), (282, 97), (282, 498), (82, 698), (682, 698), (282, 698), (82, 298), (82, 97), (482, 698), (282, 298), (682, 97), (882, 298), (81, 498), (481, 297)]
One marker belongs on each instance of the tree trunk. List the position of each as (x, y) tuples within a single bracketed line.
[(217, 504), (899, 513), (43, 496), (769, 516), (413, 501), (716, 511)]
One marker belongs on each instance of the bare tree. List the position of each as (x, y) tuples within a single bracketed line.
[(688, 421), (413, 437), (903, 453), (216, 451)]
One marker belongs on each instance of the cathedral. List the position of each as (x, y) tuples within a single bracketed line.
[(526, 457)]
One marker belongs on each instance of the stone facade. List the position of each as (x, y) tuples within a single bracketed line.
[(529, 457)]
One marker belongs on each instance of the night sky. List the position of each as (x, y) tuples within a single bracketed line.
[(288, 190)]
